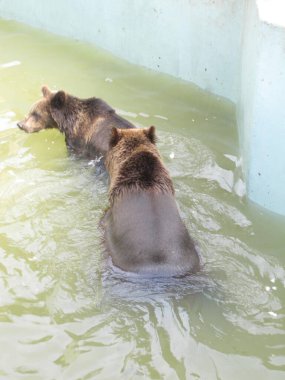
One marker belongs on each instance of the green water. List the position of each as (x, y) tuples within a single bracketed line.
[(66, 314)]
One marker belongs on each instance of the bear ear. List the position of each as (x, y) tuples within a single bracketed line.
[(58, 100), (115, 137), (46, 91), (150, 134)]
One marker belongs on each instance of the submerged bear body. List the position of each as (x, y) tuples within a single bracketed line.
[(144, 232)]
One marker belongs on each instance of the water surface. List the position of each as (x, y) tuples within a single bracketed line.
[(66, 314)]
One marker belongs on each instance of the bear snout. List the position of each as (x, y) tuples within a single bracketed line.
[(23, 126)]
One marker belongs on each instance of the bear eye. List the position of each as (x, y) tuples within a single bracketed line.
[(36, 115)]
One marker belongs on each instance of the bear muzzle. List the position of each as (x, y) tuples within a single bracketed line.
[(24, 127), (20, 124)]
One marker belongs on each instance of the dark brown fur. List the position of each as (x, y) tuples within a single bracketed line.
[(143, 230), (86, 123)]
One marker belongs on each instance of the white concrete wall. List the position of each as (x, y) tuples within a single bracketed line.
[(196, 40), (261, 106)]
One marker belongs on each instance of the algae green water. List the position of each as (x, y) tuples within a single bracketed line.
[(64, 312)]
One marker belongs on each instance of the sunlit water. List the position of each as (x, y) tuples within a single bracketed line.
[(64, 312)]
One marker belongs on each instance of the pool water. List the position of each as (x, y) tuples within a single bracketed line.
[(64, 312)]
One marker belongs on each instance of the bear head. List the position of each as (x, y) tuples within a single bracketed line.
[(129, 139), (41, 115), (124, 143)]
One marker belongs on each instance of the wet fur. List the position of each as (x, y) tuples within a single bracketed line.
[(144, 232), (86, 123), (142, 171)]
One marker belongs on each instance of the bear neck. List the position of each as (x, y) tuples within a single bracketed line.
[(77, 111), (66, 122)]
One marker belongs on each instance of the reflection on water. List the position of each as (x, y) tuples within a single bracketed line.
[(65, 312)]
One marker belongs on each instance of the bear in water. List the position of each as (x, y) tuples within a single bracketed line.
[(86, 123), (143, 231)]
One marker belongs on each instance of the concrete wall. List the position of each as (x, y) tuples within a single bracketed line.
[(261, 105), (233, 48), (196, 40)]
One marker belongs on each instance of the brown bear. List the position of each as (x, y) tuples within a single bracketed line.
[(86, 123), (143, 231)]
